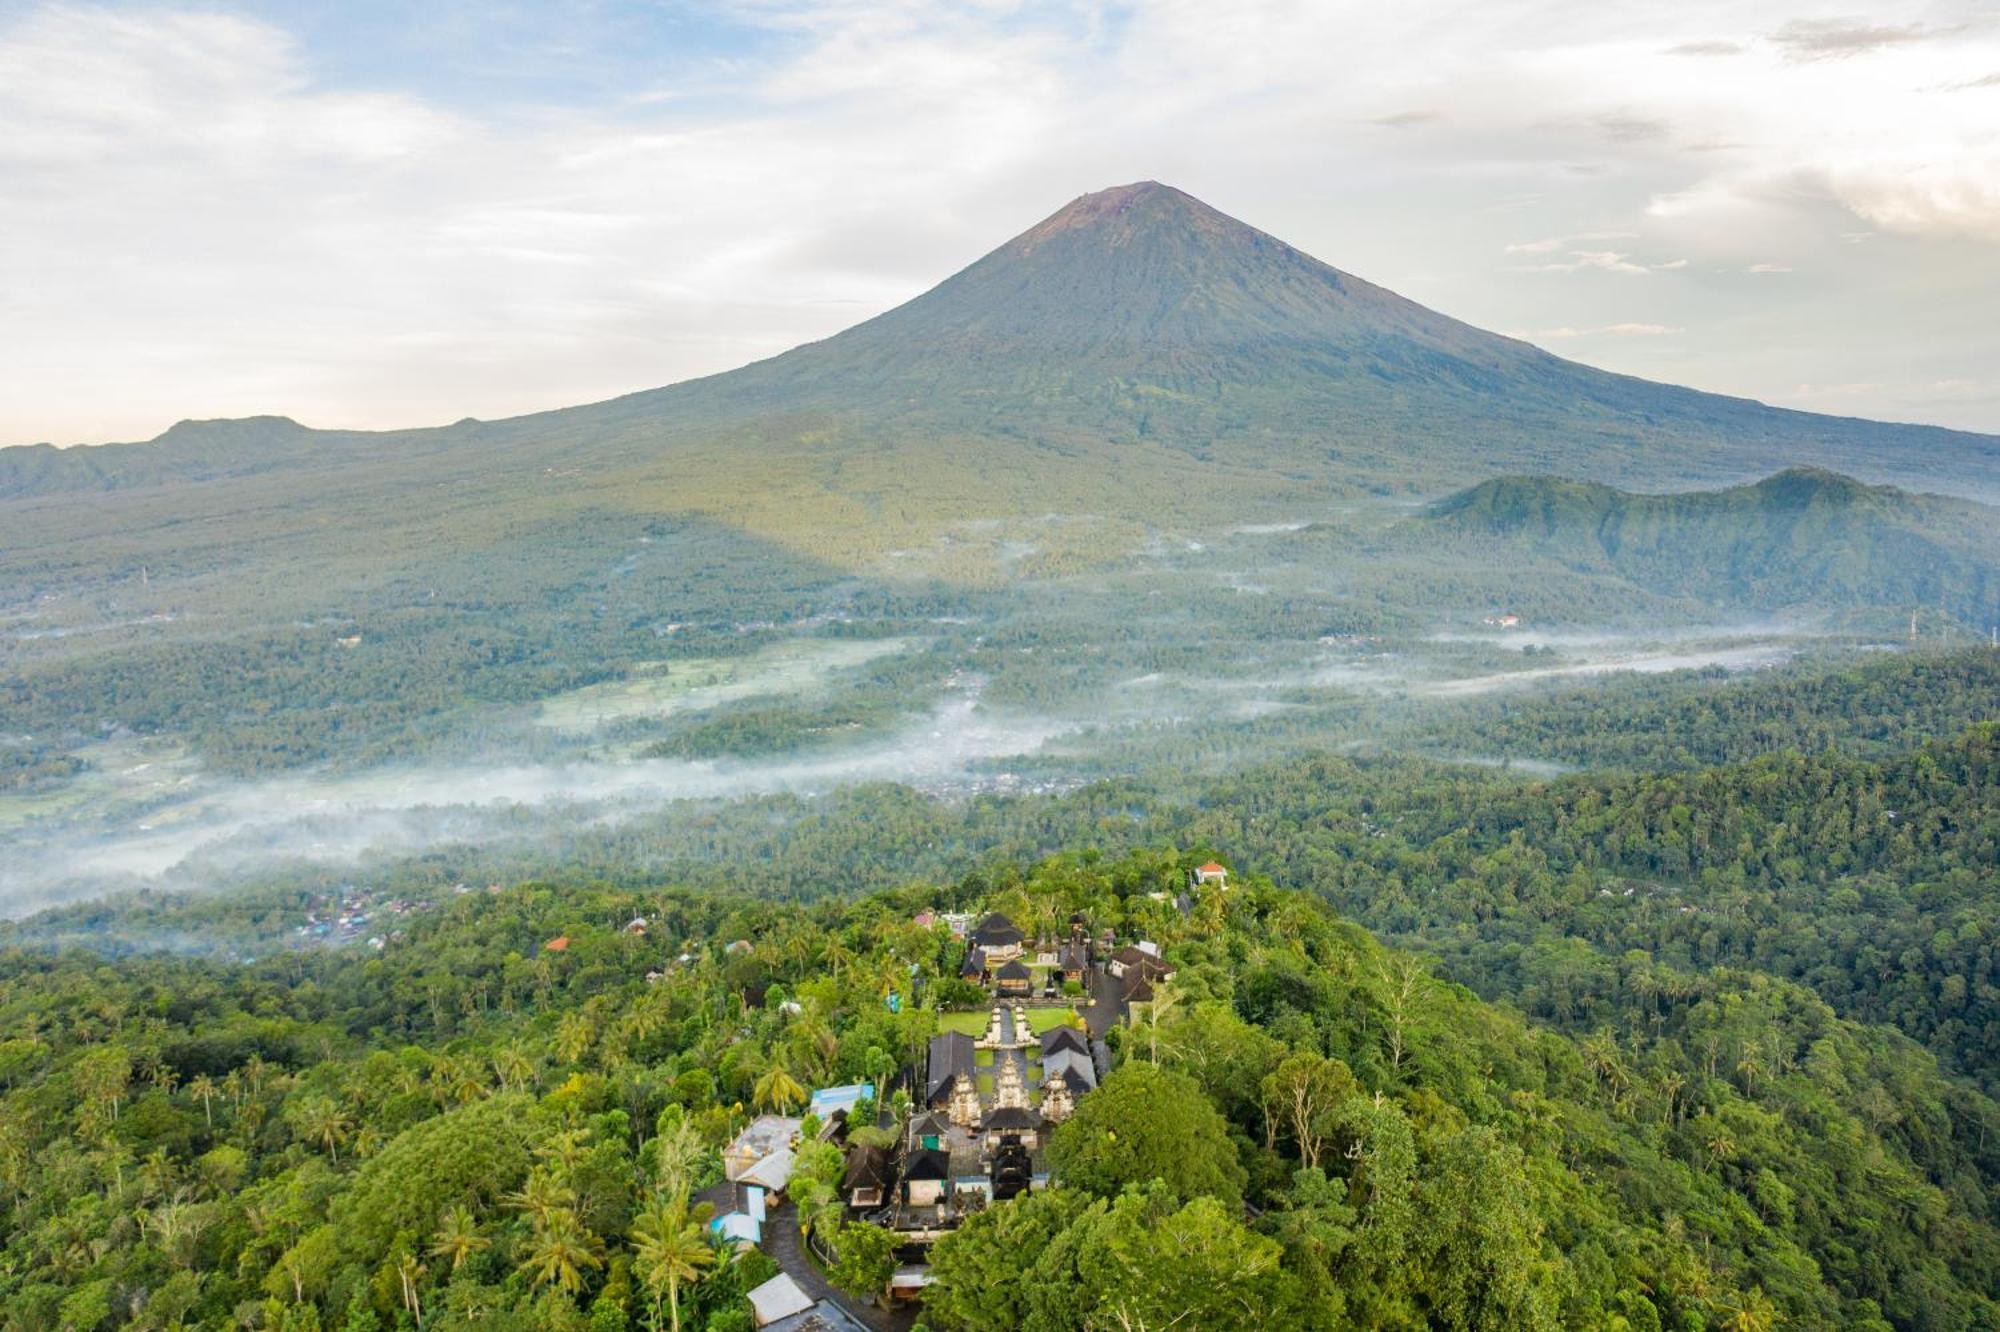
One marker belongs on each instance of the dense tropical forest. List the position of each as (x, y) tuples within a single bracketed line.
[(1699, 1038), (466, 1129)]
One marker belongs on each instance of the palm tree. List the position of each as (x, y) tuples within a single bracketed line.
[(777, 1090), (202, 1088), (837, 954), (560, 1251), (409, 1271), (566, 1149), (672, 1249), (677, 1152), (513, 1067), (542, 1197), (458, 1237), (1755, 1313), (573, 1037), (321, 1119)]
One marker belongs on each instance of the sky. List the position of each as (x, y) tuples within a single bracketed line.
[(375, 214)]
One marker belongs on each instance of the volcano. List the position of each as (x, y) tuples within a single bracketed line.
[(1137, 354)]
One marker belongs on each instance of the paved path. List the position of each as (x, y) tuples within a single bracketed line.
[(787, 1248)]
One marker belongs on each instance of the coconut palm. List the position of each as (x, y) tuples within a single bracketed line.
[(574, 1037), (202, 1088), (321, 1119), (672, 1250), (560, 1251), (458, 1237), (513, 1067), (777, 1090), (542, 1197)]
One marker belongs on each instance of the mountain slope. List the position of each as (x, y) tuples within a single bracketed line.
[(1135, 367), (1139, 316), (1797, 537)]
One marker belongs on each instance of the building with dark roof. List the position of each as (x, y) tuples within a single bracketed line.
[(951, 1057), (929, 1129), (1000, 937), (1013, 979), (1064, 1037), (925, 1173), (870, 1171)]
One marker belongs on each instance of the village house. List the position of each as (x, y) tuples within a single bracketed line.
[(762, 1153), (1212, 873), (1142, 960), (951, 1082), (780, 1297), (999, 938), (925, 1173), (870, 1173), (928, 1130), (828, 1101), (1015, 1121), (1013, 981)]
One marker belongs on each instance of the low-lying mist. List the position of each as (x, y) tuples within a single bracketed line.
[(171, 825), (218, 831)]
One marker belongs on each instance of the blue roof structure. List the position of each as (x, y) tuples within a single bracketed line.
[(829, 1099)]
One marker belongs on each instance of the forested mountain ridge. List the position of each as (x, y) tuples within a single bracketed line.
[(1802, 536), (472, 1126)]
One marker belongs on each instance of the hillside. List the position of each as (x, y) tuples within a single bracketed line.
[(476, 1127), (1801, 537)]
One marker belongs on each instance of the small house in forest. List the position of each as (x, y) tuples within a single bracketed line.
[(999, 937), (951, 1083), (1013, 980), (1010, 1121), (924, 1175), (763, 1150), (929, 1130), (870, 1170)]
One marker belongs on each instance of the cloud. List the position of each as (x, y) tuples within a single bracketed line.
[(1706, 48), (1624, 127), (1550, 244), (1833, 39), (1579, 261), (1405, 119), (1768, 268), (1609, 331)]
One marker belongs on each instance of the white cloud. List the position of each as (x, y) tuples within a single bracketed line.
[(1633, 330), (1606, 261)]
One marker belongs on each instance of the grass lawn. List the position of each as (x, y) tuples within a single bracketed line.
[(982, 1058), (1044, 1019), (972, 1024)]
